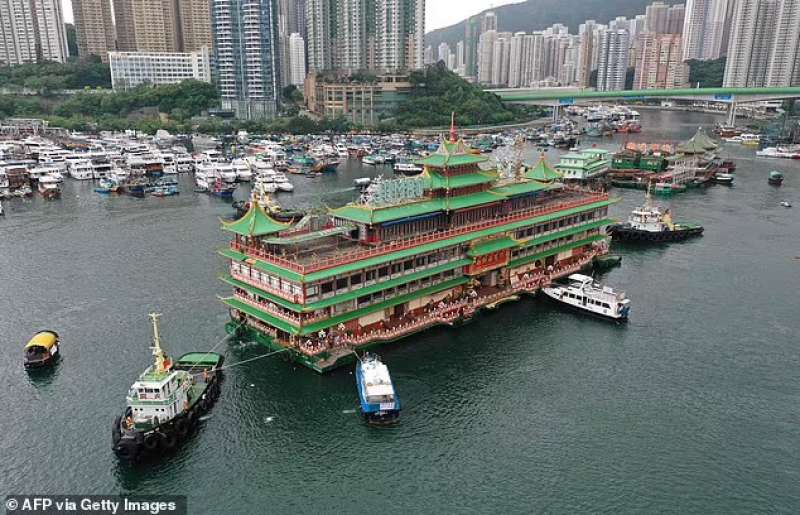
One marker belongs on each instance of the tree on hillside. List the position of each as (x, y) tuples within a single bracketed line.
[(708, 74)]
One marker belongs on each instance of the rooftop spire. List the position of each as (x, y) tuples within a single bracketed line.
[(453, 135)]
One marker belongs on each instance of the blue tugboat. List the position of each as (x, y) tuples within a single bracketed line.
[(380, 404)]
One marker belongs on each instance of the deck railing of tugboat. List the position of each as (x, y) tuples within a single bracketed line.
[(402, 244)]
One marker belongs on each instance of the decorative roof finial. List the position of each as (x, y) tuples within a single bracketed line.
[(453, 136)]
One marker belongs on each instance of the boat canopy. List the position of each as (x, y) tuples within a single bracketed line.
[(380, 390), (45, 339)]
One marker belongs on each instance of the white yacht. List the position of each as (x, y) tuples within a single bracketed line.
[(265, 182), (184, 163), (205, 175), (282, 182), (226, 172), (169, 164), (243, 173), (80, 169), (581, 292), (341, 150), (51, 170), (50, 185)]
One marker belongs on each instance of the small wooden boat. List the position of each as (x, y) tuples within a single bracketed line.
[(42, 350), (775, 178)]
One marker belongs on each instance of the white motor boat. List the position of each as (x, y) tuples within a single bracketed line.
[(282, 182), (80, 169), (227, 172), (264, 182), (243, 173), (582, 293)]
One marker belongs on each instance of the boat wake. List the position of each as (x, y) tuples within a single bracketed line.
[(348, 411), (267, 420)]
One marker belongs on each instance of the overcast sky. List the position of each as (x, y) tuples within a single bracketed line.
[(440, 13)]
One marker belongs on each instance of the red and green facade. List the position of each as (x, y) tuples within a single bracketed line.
[(365, 274)]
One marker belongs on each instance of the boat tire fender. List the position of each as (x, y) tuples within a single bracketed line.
[(169, 441), (151, 441), (116, 433), (181, 427)]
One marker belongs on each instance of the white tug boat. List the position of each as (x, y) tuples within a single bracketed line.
[(581, 292), (164, 405)]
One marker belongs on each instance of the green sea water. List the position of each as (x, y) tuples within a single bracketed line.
[(692, 407)]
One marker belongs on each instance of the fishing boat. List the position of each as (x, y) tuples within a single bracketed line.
[(49, 186), (652, 224), (407, 168), (222, 189), (166, 401), (380, 404), (775, 178), (42, 350), (107, 186), (582, 293), (165, 190)]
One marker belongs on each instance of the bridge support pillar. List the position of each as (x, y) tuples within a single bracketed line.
[(732, 114), (556, 113)]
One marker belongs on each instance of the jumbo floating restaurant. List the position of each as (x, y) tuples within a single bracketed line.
[(410, 254)]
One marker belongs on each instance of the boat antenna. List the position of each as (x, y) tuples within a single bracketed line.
[(162, 363)]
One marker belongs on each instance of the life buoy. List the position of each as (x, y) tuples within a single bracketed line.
[(151, 441), (169, 441)]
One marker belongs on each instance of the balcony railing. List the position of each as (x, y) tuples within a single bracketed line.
[(406, 243)]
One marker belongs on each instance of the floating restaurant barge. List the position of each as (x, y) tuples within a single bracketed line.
[(410, 254)]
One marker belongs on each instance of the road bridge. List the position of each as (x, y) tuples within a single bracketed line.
[(558, 98)]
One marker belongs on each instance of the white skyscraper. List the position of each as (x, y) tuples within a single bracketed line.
[(784, 65), (318, 26), (246, 53), (350, 40), (297, 60), (443, 52), (705, 28), (751, 43), (485, 56), (399, 34), (612, 62), (32, 30)]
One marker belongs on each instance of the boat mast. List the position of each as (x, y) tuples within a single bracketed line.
[(161, 362)]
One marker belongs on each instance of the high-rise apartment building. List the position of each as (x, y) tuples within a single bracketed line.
[(195, 25), (163, 25), (297, 60), (31, 31), (612, 63), (94, 27), (586, 51), (399, 34), (705, 28), (656, 18), (763, 48), (784, 64), (485, 56), (675, 17), (660, 62), (246, 56), (320, 16)]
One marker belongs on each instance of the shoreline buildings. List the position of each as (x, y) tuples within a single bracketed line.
[(131, 69)]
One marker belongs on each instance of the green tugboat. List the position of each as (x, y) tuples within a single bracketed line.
[(165, 403)]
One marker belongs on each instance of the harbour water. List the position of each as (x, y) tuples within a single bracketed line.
[(691, 407)]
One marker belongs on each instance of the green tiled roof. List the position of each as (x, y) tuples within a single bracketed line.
[(493, 245), (256, 222), (444, 160), (521, 188), (542, 172), (434, 180)]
